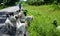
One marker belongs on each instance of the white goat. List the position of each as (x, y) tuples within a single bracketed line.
[(21, 27)]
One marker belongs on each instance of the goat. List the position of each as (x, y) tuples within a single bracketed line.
[(21, 27), (29, 19), (55, 23)]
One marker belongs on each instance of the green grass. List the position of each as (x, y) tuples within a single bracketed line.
[(42, 20)]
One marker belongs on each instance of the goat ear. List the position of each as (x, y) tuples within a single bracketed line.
[(7, 15), (19, 10), (16, 17)]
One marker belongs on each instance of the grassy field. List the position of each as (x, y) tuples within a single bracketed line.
[(43, 18)]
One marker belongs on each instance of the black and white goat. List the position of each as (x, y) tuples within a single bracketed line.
[(55, 23)]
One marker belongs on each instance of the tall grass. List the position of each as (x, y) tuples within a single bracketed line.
[(42, 22)]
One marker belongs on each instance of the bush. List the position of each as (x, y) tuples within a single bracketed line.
[(41, 2), (35, 2), (10, 2)]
